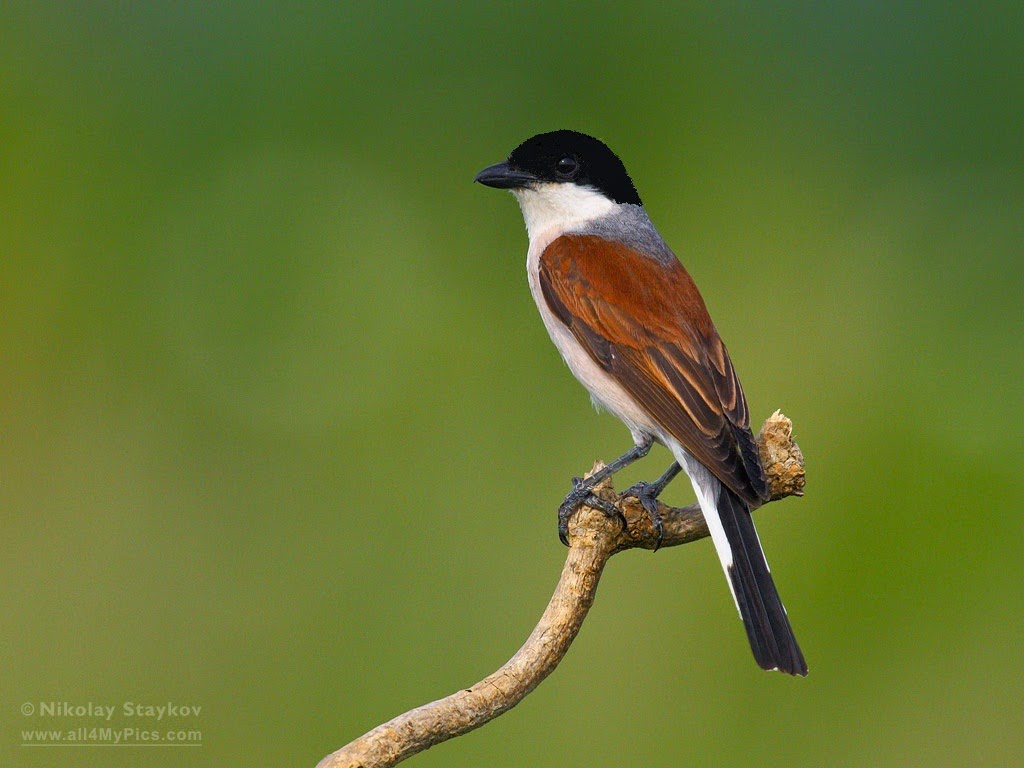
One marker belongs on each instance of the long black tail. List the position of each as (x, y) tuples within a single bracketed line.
[(764, 617)]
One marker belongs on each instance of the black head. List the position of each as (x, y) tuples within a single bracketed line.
[(563, 157)]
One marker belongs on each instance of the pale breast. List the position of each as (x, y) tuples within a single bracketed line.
[(605, 392)]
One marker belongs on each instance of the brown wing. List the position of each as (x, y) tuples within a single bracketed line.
[(644, 322)]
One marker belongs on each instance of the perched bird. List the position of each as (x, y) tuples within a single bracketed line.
[(629, 322)]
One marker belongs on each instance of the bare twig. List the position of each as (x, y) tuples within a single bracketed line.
[(593, 538)]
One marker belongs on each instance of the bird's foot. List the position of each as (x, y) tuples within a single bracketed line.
[(582, 494), (647, 495)]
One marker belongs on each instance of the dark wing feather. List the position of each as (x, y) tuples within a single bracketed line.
[(647, 326)]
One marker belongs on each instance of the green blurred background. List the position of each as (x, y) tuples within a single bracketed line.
[(282, 435)]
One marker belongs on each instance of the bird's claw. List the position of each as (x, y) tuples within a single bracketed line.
[(647, 495), (582, 494)]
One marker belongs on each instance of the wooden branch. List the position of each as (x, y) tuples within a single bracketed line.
[(593, 538)]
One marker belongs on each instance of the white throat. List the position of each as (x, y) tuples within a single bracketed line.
[(551, 208)]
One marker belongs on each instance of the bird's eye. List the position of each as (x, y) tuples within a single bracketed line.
[(567, 166)]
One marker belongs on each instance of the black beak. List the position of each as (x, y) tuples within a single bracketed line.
[(502, 176)]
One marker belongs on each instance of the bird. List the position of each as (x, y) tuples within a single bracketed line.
[(630, 324)]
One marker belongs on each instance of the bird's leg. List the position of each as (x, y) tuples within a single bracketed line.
[(583, 490), (647, 494)]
